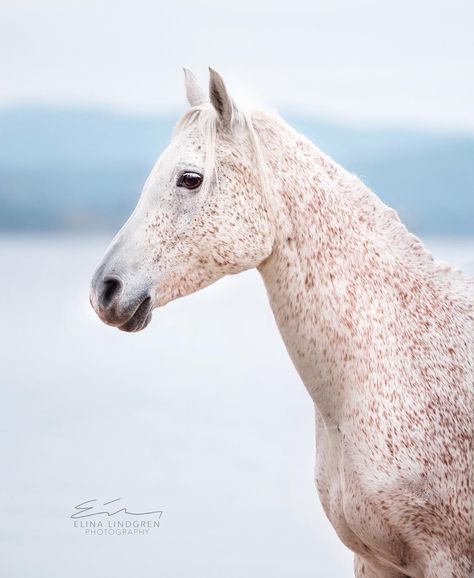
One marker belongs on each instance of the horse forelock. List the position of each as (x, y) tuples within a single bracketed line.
[(206, 119)]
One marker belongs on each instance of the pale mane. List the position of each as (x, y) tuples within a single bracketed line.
[(205, 117)]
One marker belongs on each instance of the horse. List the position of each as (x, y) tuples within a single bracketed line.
[(380, 333)]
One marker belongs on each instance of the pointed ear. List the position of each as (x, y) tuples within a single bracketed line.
[(220, 98), (194, 93)]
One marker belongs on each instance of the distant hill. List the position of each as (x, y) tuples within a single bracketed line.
[(83, 169)]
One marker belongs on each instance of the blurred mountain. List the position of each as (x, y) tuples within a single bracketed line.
[(83, 169)]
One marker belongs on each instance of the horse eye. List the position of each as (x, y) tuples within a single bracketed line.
[(189, 180)]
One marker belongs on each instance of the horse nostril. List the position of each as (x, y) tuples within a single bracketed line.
[(112, 287)]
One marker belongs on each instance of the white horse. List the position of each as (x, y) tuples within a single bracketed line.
[(381, 335)]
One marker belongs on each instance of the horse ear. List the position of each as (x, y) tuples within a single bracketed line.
[(220, 98), (194, 93)]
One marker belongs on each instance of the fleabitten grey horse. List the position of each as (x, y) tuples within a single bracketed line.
[(381, 334)]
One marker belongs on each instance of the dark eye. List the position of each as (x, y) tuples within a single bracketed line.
[(189, 180)]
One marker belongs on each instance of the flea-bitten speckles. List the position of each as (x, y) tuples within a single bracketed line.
[(381, 335)]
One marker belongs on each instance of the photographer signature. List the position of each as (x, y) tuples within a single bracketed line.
[(85, 511)]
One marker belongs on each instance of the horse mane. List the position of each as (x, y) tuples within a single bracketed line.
[(205, 117)]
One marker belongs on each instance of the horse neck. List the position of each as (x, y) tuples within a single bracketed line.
[(339, 256)]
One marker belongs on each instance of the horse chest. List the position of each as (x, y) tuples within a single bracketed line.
[(356, 518), (330, 482)]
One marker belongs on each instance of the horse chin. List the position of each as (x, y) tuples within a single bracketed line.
[(133, 325), (140, 319)]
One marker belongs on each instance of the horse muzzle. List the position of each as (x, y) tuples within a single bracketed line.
[(118, 304)]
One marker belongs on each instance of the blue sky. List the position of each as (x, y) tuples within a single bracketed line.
[(366, 62)]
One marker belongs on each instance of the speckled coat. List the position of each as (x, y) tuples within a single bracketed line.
[(381, 334)]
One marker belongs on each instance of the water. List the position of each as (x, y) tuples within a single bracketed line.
[(202, 416)]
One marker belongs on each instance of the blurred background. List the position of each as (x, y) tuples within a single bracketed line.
[(202, 415)]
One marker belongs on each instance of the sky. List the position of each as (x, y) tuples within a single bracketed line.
[(366, 62)]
